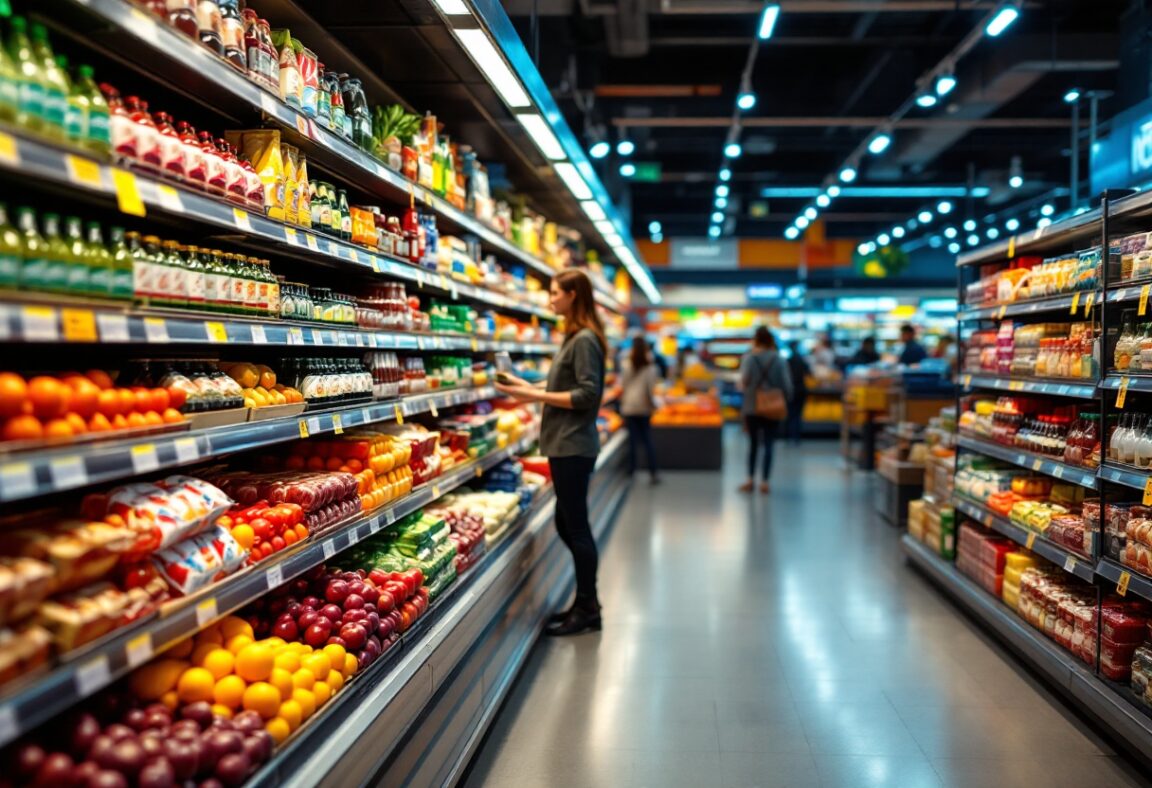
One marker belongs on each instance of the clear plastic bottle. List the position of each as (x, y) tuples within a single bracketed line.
[(9, 86), (194, 277), (100, 263), (55, 83), (56, 273), (178, 274), (78, 274), (123, 266), (98, 133)]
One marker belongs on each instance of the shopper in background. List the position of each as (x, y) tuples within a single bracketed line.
[(763, 377), (640, 376), (568, 436), (798, 371), (661, 364), (867, 353), (823, 357), (913, 352)]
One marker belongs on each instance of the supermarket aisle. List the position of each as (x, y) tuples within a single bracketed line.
[(779, 643)]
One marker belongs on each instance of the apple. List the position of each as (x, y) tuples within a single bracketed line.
[(336, 592), (353, 602), (354, 635), (331, 612), (312, 602), (288, 630), (308, 619), (316, 635), (336, 640)]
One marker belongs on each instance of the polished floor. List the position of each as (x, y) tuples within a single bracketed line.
[(779, 641)]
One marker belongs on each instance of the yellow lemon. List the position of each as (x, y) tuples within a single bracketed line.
[(321, 692), (303, 679), (291, 712), (287, 660), (282, 680), (306, 700), (334, 680), (232, 626), (238, 643)]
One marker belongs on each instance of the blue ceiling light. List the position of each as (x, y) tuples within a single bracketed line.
[(657, 238), (792, 233), (746, 100), (725, 174), (768, 19), (1044, 222), (1016, 181), (879, 143), (733, 150), (713, 232), (599, 150), (1072, 96), (973, 240), (935, 242), (954, 248), (811, 213), (823, 201), (717, 217), (848, 174), (912, 224), (945, 83), (627, 169), (992, 233), (1012, 225), (625, 147), (924, 217), (802, 222), (926, 100), (943, 207), (863, 248), (883, 239), (833, 191), (897, 232), (1003, 19), (950, 232), (721, 202), (1047, 209), (970, 225), (655, 228), (722, 191)]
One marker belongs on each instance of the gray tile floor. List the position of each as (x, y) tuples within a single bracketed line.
[(779, 641)]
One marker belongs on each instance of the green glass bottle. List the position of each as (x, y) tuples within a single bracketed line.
[(100, 263), (55, 83), (56, 272), (11, 252), (195, 276), (123, 273), (75, 107), (98, 128), (34, 272), (77, 271), (178, 275), (143, 274), (30, 112), (9, 79)]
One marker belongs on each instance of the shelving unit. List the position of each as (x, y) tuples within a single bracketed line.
[(1072, 562), (1034, 462), (1053, 387)]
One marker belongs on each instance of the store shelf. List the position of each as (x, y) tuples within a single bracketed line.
[(1067, 235), (1138, 584), (1072, 562), (32, 700), (36, 473), (1130, 291), (32, 158), (1060, 303), (1034, 462), (1112, 381), (1125, 475), (1054, 387), (1067, 673)]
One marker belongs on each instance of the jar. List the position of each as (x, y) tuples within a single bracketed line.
[(181, 15), (209, 21)]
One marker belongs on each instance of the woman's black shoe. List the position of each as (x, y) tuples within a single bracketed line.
[(576, 621), (556, 618)]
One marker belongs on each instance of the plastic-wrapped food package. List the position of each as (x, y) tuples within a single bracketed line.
[(200, 560), (167, 511), (23, 650), (79, 552), (88, 614), (24, 584)]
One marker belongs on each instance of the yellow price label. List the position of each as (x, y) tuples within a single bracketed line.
[(1030, 541), (169, 198), (1122, 583), (1037, 464), (1142, 309), (535, 321), (399, 415), (435, 490), (1148, 491), (1003, 309), (302, 125), (1122, 393), (311, 241), (1011, 247), (375, 263), (475, 345), (206, 612), (127, 193), (303, 428), (216, 331), (290, 236), (432, 409), (1091, 299), (1016, 385), (1075, 304), (241, 219), (337, 424), (83, 171), (79, 325), (9, 153), (967, 381), (478, 471)]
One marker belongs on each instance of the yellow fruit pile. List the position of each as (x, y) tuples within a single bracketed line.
[(259, 384), (285, 683)]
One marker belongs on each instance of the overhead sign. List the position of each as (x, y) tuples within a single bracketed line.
[(647, 171), (703, 253), (765, 292), (1124, 157)]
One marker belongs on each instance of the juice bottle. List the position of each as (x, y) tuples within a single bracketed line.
[(54, 81), (9, 84), (123, 267), (77, 273), (182, 16), (215, 177), (161, 294), (254, 184), (253, 52), (123, 132), (270, 57), (11, 251), (236, 182), (195, 277), (232, 34), (34, 250), (178, 273), (57, 253), (75, 108), (195, 169), (31, 89), (97, 134), (345, 216), (100, 263), (148, 153), (143, 270), (172, 161)]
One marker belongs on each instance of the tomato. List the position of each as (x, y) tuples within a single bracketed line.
[(262, 528), (386, 603), (278, 543), (290, 513)]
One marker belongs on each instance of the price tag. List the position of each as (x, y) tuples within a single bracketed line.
[(337, 424), (1030, 541), (333, 249), (420, 280), (127, 193), (329, 549), (92, 675), (314, 425), (155, 329), (375, 263), (83, 172), (216, 331), (39, 323), (443, 282), (303, 428), (454, 291), (1037, 464), (477, 471), (1123, 291), (259, 336), (68, 472), (144, 458), (268, 104), (432, 409), (9, 152), (420, 342), (113, 328), (1062, 390), (1143, 307), (318, 337), (1122, 393), (359, 340), (1070, 564), (9, 727), (79, 325), (275, 577), (435, 491), (353, 255), (1122, 583), (1058, 472), (1016, 385), (1003, 309), (17, 480), (967, 381), (302, 125), (139, 650), (399, 415), (311, 241), (475, 345), (170, 198), (1075, 304), (1011, 246), (206, 612), (290, 236), (296, 336), (241, 219), (186, 450), (374, 525), (366, 416), (1088, 303)]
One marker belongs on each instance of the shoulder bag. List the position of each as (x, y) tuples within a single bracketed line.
[(770, 402)]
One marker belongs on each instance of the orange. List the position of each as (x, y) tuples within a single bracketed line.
[(22, 428), (315, 464), (210, 635), (58, 428), (278, 729), (236, 643), (254, 662), (282, 680), (229, 691), (336, 655), (153, 419), (101, 378), (306, 700), (13, 394), (291, 712), (136, 421), (350, 666), (127, 401), (289, 536), (85, 396), (219, 662), (262, 698), (195, 684), (303, 679), (182, 650), (151, 681), (317, 663), (99, 423), (289, 661), (232, 626), (170, 699), (108, 403), (77, 423), (321, 692), (354, 466), (222, 711), (172, 416), (334, 463), (49, 397), (244, 535), (143, 399), (119, 422), (161, 400), (334, 680), (294, 463)]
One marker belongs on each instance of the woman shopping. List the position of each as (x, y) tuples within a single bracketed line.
[(568, 436), (767, 390), (639, 376)]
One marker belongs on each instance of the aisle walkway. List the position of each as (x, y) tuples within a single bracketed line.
[(779, 642)]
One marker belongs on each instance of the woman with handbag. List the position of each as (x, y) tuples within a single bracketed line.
[(767, 389), (639, 378)]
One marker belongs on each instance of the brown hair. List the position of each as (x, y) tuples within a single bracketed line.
[(640, 357), (764, 338), (583, 313)]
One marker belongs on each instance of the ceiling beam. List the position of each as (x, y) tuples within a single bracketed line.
[(849, 122), (657, 91)]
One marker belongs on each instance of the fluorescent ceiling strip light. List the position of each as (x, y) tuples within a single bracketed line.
[(541, 133), (480, 48), (613, 239), (917, 192), (604, 226), (639, 273), (594, 210), (453, 7), (571, 177), (768, 20), (1004, 17)]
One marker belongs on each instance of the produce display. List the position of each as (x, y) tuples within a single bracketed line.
[(683, 409), (1028, 278)]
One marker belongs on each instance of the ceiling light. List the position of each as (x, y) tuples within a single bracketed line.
[(717, 217), (1016, 181), (746, 100), (823, 201), (883, 239), (627, 169), (713, 232), (1044, 222), (594, 210), (992, 233), (768, 20), (862, 248), (970, 225), (898, 231), (954, 248), (725, 174), (732, 150), (924, 217), (811, 213), (625, 147), (950, 232), (879, 144), (1047, 209), (541, 133), (1012, 225), (722, 191), (1015, 173), (973, 239), (613, 239), (654, 227), (605, 227), (833, 191), (912, 224), (1003, 18), (935, 242), (1072, 96), (571, 177), (802, 222), (943, 207), (656, 238), (599, 149), (945, 84), (926, 100), (721, 202), (452, 7), (848, 174), (479, 47), (792, 233)]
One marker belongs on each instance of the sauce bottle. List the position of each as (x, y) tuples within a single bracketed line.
[(195, 168), (336, 103), (256, 195), (411, 227), (182, 16), (162, 275), (195, 274), (143, 269), (178, 274), (323, 97), (209, 22), (253, 52), (270, 60), (345, 216), (232, 34), (31, 89), (147, 135), (75, 108), (215, 176), (171, 147), (9, 86), (101, 270), (10, 251), (236, 185), (123, 132)]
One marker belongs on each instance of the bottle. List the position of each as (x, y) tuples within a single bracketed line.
[(236, 181), (31, 89), (97, 134), (147, 135), (291, 87), (411, 229), (171, 147), (209, 22), (173, 252), (11, 251), (345, 216), (143, 270), (255, 193), (123, 131), (123, 267), (1125, 345), (34, 250), (57, 254), (215, 176), (343, 89), (162, 275), (232, 34), (253, 53), (195, 167), (336, 103), (101, 271), (75, 107), (77, 272), (9, 86), (270, 57), (56, 87), (182, 16), (323, 98), (195, 285)]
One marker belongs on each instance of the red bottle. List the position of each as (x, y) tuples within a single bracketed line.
[(236, 186), (147, 135), (123, 131), (171, 147), (214, 173), (412, 235), (182, 16), (195, 168)]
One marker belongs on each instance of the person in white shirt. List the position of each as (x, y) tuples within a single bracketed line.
[(639, 376)]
